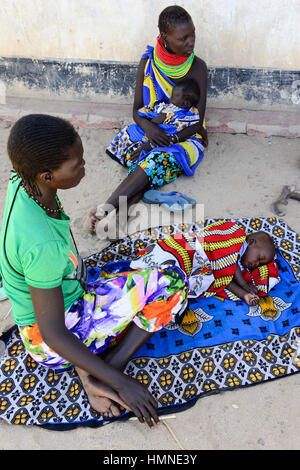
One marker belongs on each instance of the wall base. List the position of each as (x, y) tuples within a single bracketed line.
[(87, 114), (114, 82)]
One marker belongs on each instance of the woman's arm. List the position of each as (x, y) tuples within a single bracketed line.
[(155, 134), (201, 78), (48, 306), (199, 74)]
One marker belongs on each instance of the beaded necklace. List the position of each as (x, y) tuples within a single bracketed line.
[(172, 65), (47, 209)]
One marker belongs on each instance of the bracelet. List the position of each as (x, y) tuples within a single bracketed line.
[(173, 137)]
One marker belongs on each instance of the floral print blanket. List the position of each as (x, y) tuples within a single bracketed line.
[(219, 344)]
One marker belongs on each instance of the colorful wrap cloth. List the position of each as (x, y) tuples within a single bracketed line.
[(132, 137), (160, 167), (209, 260), (158, 87), (222, 243), (150, 298)]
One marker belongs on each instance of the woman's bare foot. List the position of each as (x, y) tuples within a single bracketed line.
[(107, 224), (101, 397), (90, 221), (95, 215)]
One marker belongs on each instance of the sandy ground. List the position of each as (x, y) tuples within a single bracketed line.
[(240, 176)]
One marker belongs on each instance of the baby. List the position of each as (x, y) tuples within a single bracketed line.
[(185, 95), (221, 261), (227, 262), (257, 250), (179, 113)]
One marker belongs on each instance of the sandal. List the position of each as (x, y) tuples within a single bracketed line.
[(174, 201)]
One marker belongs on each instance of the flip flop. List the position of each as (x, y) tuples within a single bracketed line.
[(174, 201)]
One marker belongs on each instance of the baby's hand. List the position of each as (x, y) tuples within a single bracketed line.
[(250, 288), (251, 299), (159, 119)]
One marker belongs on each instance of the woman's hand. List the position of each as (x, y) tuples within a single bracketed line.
[(157, 137), (135, 155), (204, 135), (139, 400), (159, 119)]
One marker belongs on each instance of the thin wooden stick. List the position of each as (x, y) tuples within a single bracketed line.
[(170, 430), (134, 418), (173, 435)]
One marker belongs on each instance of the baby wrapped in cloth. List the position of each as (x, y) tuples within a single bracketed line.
[(132, 137), (210, 260)]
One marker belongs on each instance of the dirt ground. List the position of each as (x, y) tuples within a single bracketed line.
[(240, 176)]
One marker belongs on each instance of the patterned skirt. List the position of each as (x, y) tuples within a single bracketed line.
[(160, 167), (150, 298)]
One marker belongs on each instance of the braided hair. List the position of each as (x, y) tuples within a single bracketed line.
[(37, 143), (171, 17)]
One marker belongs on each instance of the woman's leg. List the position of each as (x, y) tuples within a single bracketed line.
[(130, 306), (142, 302), (133, 188), (101, 397), (135, 183), (157, 169)]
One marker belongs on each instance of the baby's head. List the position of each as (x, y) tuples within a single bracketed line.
[(40, 144), (185, 94), (260, 250)]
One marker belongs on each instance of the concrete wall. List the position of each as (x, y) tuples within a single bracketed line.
[(231, 33), (78, 48)]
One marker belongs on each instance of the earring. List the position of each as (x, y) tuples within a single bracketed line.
[(164, 43)]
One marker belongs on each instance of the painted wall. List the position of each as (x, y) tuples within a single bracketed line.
[(230, 33), (89, 49)]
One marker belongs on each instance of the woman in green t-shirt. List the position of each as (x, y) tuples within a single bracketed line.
[(64, 320)]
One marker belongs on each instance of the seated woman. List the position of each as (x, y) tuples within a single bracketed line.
[(171, 62), (63, 320)]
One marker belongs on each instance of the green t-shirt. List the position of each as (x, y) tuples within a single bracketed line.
[(40, 248)]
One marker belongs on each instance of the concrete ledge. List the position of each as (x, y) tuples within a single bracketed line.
[(254, 122), (88, 114)]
